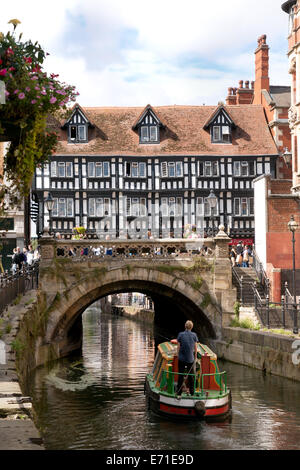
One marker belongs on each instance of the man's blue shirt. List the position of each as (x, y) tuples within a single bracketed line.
[(187, 340)]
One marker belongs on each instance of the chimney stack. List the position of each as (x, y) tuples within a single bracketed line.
[(262, 81)]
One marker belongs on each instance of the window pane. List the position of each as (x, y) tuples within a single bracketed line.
[(73, 132), (251, 205), (92, 207), (142, 170), (144, 134), (61, 170), (178, 169), (164, 169), (99, 207), (143, 208), (69, 169), (244, 206), (199, 207), (207, 168), (135, 207), (206, 208), (164, 207), (70, 207), (134, 170), (216, 133), (244, 168), (54, 210), (91, 169), (171, 170), (215, 169), (201, 169), (105, 169), (81, 133), (98, 169), (106, 206), (236, 206), (153, 133), (53, 169), (236, 168), (178, 206), (61, 207)]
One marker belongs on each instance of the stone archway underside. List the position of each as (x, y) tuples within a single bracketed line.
[(175, 296)]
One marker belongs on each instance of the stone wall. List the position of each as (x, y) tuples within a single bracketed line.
[(135, 313), (271, 353)]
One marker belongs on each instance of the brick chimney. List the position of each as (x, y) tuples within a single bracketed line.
[(262, 80)]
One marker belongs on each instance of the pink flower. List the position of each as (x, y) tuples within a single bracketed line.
[(33, 101), (16, 91), (53, 100), (21, 96), (27, 89), (34, 77), (3, 72)]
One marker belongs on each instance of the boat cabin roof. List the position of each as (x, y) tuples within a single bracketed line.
[(168, 349)]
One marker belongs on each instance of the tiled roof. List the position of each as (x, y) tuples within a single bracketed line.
[(183, 133)]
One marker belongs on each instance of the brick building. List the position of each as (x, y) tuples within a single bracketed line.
[(277, 199)]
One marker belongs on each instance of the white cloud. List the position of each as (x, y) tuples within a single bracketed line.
[(121, 52)]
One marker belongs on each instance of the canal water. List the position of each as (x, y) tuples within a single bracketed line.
[(96, 401)]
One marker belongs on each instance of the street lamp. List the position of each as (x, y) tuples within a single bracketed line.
[(49, 201), (292, 228), (212, 202)]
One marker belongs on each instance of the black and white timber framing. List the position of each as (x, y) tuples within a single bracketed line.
[(129, 195)]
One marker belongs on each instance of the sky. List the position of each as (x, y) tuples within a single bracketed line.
[(162, 52)]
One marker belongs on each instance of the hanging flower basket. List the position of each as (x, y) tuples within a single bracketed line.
[(31, 96)]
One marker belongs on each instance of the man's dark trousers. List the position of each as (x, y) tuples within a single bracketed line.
[(188, 368)]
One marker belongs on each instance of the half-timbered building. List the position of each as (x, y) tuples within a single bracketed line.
[(125, 172)]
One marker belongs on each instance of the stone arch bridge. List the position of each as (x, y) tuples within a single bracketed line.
[(187, 279)]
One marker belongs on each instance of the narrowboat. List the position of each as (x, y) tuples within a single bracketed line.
[(211, 399)]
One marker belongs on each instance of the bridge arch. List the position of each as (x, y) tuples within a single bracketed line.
[(63, 331), (195, 284)]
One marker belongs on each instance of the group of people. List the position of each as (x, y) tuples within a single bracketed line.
[(26, 257), (241, 256)]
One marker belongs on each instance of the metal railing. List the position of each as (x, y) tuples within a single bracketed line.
[(261, 273), (276, 314), (13, 285), (167, 381)]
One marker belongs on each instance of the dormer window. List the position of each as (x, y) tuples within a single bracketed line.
[(148, 127), (77, 126), (220, 126), (221, 134), (149, 133), (78, 133)]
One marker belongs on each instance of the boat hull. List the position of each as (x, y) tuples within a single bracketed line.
[(214, 409)]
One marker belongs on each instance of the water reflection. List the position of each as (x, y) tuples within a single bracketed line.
[(96, 401)]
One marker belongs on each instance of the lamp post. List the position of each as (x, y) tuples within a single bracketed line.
[(212, 202), (49, 201), (292, 228)]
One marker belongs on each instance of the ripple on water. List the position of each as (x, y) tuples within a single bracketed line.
[(97, 401)]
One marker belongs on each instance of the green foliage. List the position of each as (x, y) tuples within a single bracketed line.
[(247, 324), (8, 328), (31, 96), (17, 346), (197, 284), (236, 308), (206, 300)]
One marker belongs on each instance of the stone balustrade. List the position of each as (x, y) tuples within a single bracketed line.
[(98, 250)]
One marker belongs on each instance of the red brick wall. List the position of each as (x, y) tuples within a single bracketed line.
[(279, 249)]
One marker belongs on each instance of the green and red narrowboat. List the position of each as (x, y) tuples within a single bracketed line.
[(211, 399)]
